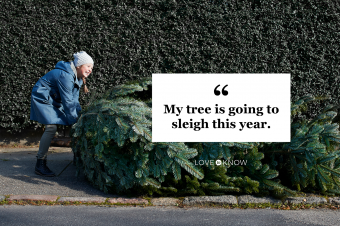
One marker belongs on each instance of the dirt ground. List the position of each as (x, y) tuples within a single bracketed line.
[(17, 146)]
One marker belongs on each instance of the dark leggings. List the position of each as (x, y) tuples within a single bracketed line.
[(45, 141)]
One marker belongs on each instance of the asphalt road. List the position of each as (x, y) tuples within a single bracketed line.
[(149, 216)]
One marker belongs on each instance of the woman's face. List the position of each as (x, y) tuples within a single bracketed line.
[(84, 70)]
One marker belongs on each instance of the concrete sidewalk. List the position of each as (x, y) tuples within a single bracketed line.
[(19, 181), (17, 175)]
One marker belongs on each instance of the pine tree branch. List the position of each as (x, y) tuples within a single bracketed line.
[(279, 151)]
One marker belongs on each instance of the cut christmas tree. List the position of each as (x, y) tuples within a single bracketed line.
[(112, 145)]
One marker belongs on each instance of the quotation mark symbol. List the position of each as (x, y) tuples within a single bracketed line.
[(224, 92)]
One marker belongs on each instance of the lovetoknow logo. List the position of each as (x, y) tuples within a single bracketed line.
[(228, 162)]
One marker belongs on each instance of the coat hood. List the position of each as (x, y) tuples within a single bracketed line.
[(67, 66)]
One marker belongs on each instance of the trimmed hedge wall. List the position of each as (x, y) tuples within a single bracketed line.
[(131, 39)]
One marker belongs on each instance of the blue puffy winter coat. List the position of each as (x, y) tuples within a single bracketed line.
[(55, 97)]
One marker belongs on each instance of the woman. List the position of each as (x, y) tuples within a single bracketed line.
[(55, 100)]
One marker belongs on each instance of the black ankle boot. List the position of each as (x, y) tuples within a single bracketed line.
[(42, 169)]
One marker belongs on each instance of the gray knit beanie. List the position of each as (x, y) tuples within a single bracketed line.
[(82, 58)]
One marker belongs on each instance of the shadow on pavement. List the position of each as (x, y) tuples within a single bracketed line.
[(17, 175)]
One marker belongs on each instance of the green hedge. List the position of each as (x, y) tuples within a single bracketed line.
[(132, 39)]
